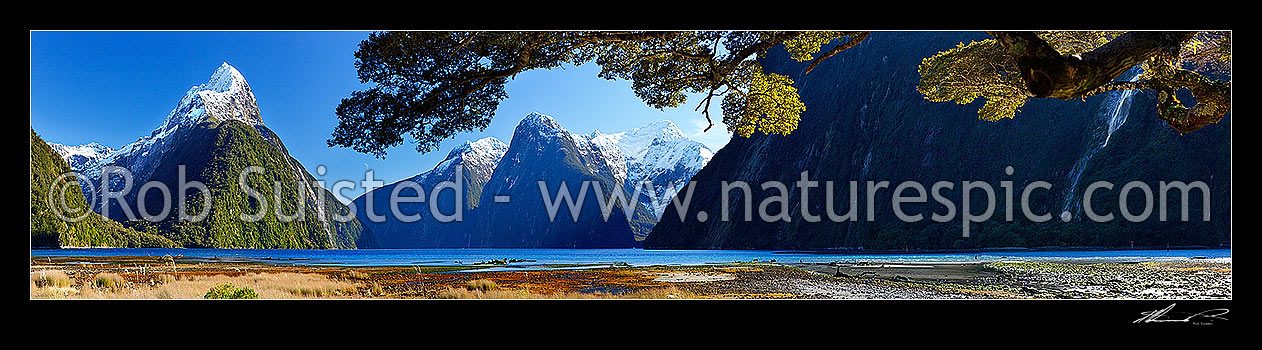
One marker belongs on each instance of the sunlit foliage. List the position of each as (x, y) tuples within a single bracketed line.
[(806, 45), (1077, 42), (430, 86), (766, 102), (986, 69), (980, 69), (1207, 52)]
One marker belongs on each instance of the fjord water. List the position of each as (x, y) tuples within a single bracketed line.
[(567, 258)]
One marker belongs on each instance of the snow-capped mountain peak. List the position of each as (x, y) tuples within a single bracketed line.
[(539, 124), (226, 96), (658, 152), (479, 157), (90, 150), (485, 145), (485, 152), (636, 143), (82, 156), (541, 131), (225, 79), (661, 154)]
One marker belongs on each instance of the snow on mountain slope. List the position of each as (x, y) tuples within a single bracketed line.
[(226, 96), (82, 156), (476, 160), (661, 154), (543, 150), (658, 152), (214, 131), (479, 157), (543, 154), (593, 146)]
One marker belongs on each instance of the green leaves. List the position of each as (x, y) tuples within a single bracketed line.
[(433, 85), (1171, 61), (981, 69), (1077, 42), (768, 104), (49, 230), (804, 47), (229, 291)]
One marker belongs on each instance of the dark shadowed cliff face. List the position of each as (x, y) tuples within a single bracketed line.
[(866, 121)]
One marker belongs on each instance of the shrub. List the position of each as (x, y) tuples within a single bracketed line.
[(51, 278), (229, 291), (482, 285), (108, 281)]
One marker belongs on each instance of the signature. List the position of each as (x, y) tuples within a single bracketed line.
[(1164, 315)]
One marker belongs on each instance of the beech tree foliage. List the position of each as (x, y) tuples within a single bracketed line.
[(431, 86), (1016, 66)]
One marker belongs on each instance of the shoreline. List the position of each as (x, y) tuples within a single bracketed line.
[(187, 278)]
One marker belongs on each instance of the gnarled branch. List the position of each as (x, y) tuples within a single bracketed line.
[(1049, 74)]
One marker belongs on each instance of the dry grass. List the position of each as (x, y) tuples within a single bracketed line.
[(52, 284), (482, 285), (357, 275), (109, 281), (51, 278), (670, 292), (268, 286), (166, 278)]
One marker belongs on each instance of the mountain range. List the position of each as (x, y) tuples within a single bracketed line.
[(542, 150), (864, 121), (51, 193)]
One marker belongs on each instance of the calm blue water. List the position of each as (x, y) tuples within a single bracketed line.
[(634, 257)]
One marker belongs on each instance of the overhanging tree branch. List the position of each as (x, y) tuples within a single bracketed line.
[(858, 38), (1049, 74)]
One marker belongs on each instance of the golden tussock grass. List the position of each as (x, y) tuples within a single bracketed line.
[(482, 285), (109, 281), (268, 286), (357, 275), (51, 278)]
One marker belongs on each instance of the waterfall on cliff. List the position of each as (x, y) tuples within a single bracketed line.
[(1112, 115)]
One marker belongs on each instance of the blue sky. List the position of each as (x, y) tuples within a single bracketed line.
[(113, 87)]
